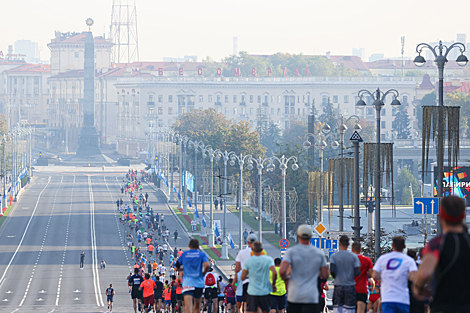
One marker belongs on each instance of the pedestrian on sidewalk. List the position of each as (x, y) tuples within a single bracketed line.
[(258, 267), (245, 235), (445, 261), (216, 204), (393, 270), (344, 266), (82, 259), (306, 264)]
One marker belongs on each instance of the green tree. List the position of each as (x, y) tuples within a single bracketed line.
[(403, 190), (271, 137), (401, 123), (463, 100)]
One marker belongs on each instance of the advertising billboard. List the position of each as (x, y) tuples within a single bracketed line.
[(456, 181)]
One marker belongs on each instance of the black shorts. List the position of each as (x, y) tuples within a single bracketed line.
[(302, 307), (210, 293), (361, 297), (344, 296), (245, 292), (255, 302), (136, 294), (231, 300), (196, 293), (179, 297), (278, 302), (158, 296)]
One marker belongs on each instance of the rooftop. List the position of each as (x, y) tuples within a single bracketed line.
[(31, 68)]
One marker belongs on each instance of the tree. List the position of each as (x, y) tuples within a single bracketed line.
[(463, 100), (401, 124), (386, 239), (403, 190), (271, 137)]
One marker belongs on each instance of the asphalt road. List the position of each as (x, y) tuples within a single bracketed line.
[(60, 215)]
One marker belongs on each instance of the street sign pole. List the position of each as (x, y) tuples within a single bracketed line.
[(356, 139)]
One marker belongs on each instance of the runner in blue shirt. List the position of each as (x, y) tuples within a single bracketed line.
[(192, 266)]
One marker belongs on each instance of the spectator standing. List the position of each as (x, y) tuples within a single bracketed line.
[(393, 270), (82, 259), (445, 262), (344, 266), (362, 279), (305, 263), (260, 287)]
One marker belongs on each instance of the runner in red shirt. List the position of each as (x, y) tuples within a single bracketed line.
[(361, 280), (148, 286)]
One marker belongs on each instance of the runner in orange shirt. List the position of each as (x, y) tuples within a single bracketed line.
[(150, 247), (148, 286), (167, 296)]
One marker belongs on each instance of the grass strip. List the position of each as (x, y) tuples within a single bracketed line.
[(249, 218), (5, 215)]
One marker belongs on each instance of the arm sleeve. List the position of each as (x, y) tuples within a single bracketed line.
[(204, 257), (357, 271)]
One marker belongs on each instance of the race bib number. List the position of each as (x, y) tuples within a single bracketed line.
[(187, 288)]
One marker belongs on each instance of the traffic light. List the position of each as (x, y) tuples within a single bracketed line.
[(40, 154)]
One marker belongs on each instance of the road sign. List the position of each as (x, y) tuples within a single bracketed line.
[(356, 137), (426, 205), (284, 243), (334, 233), (323, 243), (283, 253), (315, 242), (320, 228)]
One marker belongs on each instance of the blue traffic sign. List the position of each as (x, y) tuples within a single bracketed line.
[(283, 253), (426, 206), (323, 243)]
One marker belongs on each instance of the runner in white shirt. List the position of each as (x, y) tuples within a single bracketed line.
[(167, 234), (162, 270), (159, 267), (165, 247), (242, 256), (162, 278), (394, 269)]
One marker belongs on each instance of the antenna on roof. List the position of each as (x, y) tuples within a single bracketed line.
[(402, 53), (123, 32)]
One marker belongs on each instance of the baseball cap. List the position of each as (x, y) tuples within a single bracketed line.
[(251, 238), (304, 231)]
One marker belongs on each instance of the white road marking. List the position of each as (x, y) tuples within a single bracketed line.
[(94, 254), (2, 279)]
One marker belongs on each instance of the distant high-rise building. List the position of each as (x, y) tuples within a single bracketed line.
[(358, 52), (376, 56), (29, 49), (124, 32), (235, 45)]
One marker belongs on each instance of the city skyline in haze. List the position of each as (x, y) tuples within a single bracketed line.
[(207, 28)]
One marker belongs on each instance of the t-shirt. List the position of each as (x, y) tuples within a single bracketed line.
[(361, 280), (344, 262), (394, 268), (228, 290), (280, 285), (222, 287), (135, 281), (148, 286), (109, 292), (242, 256), (158, 286), (167, 294), (192, 261), (239, 291), (306, 262), (258, 268)]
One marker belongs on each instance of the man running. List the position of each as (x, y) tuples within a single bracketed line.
[(109, 297), (305, 263), (344, 266), (175, 234), (361, 280), (192, 266), (148, 286), (135, 281), (393, 270)]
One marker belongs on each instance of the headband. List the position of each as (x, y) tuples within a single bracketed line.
[(448, 218)]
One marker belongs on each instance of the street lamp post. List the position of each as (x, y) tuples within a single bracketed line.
[(342, 129), (195, 144), (212, 153), (171, 157), (185, 179), (283, 162), (204, 149), (241, 161), (321, 144), (260, 165), (440, 53), (378, 103), (225, 155), (180, 138)]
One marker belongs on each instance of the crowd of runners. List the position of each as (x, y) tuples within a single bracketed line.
[(166, 279)]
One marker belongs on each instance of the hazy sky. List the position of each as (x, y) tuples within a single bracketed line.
[(206, 27)]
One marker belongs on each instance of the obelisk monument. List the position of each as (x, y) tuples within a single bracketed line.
[(88, 141)]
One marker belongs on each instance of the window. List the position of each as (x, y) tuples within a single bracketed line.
[(266, 100), (335, 99), (234, 111), (170, 98), (226, 98), (286, 110), (405, 99), (170, 111), (150, 110), (278, 111), (219, 98), (201, 98), (292, 100), (384, 112), (243, 111), (259, 99), (383, 124), (272, 99), (278, 99), (76, 54), (226, 111), (251, 111), (394, 112), (298, 111), (370, 111), (160, 110), (160, 98), (324, 99), (234, 99), (251, 99), (209, 98), (191, 100), (346, 99), (292, 110), (243, 98), (150, 97)]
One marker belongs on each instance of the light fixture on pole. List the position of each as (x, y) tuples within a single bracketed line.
[(440, 53), (283, 162), (259, 166), (185, 178), (195, 144), (204, 149), (241, 161), (212, 154), (379, 98)]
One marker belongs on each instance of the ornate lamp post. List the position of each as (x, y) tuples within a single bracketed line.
[(320, 144), (379, 98), (440, 53), (226, 156), (212, 153), (283, 162), (204, 149), (260, 165), (181, 140), (171, 139), (241, 161), (195, 144)]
